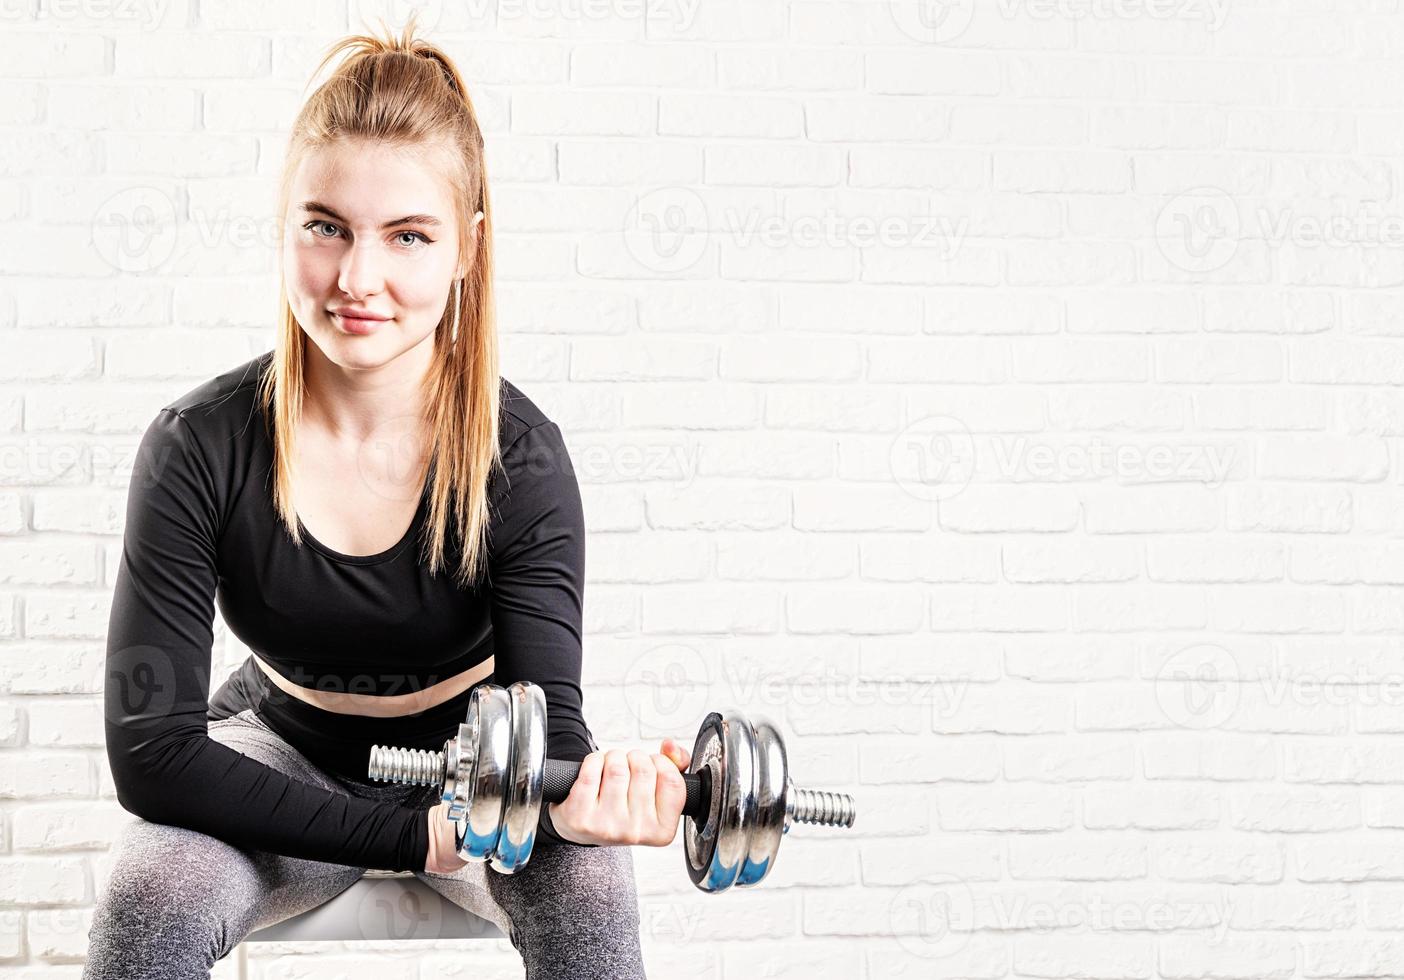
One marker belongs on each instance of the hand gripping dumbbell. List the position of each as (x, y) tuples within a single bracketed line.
[(496, 776)]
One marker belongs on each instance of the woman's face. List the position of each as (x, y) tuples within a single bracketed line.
[(348, 247)]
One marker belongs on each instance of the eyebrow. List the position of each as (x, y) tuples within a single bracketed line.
[(409, 219)]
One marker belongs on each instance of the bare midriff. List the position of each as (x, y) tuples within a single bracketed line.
[(378, 706)]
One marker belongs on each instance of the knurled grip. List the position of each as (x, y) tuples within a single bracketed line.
[(560, 777)]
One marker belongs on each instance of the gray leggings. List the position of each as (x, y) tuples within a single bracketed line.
[(178, 900)]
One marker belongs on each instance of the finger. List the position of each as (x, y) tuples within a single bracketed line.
[(671, 794), (614, 783), (681, 757), (643, 783), (587, 783)]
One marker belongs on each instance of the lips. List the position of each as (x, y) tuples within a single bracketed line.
[(350, 314), (356, 324)]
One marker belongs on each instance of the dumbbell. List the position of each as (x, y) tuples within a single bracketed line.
[(495, 778)]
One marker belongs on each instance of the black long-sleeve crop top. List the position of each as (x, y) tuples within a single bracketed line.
[(201, 528)]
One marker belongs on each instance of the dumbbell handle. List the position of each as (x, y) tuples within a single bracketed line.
[(560, 776)]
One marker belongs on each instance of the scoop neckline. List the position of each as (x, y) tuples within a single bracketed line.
[(380, 556)]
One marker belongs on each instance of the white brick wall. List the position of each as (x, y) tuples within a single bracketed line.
[(1002, 396)]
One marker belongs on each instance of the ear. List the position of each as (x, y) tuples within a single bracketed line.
[(474, 231)]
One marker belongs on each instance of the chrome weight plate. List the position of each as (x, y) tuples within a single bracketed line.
[(767, 824), (460, 755), (477, 832), (524, 784), (715, 851)]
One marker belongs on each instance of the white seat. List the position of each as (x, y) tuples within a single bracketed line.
[(382, 905)]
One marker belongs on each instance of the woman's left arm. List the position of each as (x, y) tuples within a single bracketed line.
[(536, 588)]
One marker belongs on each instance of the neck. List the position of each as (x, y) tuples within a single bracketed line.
[(354, 405)]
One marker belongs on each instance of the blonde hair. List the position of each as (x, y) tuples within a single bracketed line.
[(407, 93)]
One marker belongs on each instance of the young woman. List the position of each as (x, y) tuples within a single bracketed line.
[(269, 490)]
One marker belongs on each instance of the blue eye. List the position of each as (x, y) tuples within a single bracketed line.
[(423, 239)]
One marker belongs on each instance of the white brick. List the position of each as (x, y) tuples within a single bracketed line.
[(66, 723), (43, 881), (1291, 810), (1078, 857), (192, 56), (1247, 957), (1224, 859), (59, 934), (998, 808)]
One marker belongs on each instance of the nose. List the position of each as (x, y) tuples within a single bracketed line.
[(361, 274)]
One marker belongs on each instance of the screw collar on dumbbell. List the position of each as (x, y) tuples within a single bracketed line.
[(495, 777)]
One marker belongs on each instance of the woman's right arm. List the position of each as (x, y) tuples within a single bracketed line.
[(165, 767)]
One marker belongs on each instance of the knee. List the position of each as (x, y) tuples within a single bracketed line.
[(164, 891), (564, 888)]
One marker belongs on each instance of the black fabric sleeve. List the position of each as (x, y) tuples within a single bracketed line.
[(536, 577), (165, 767)]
